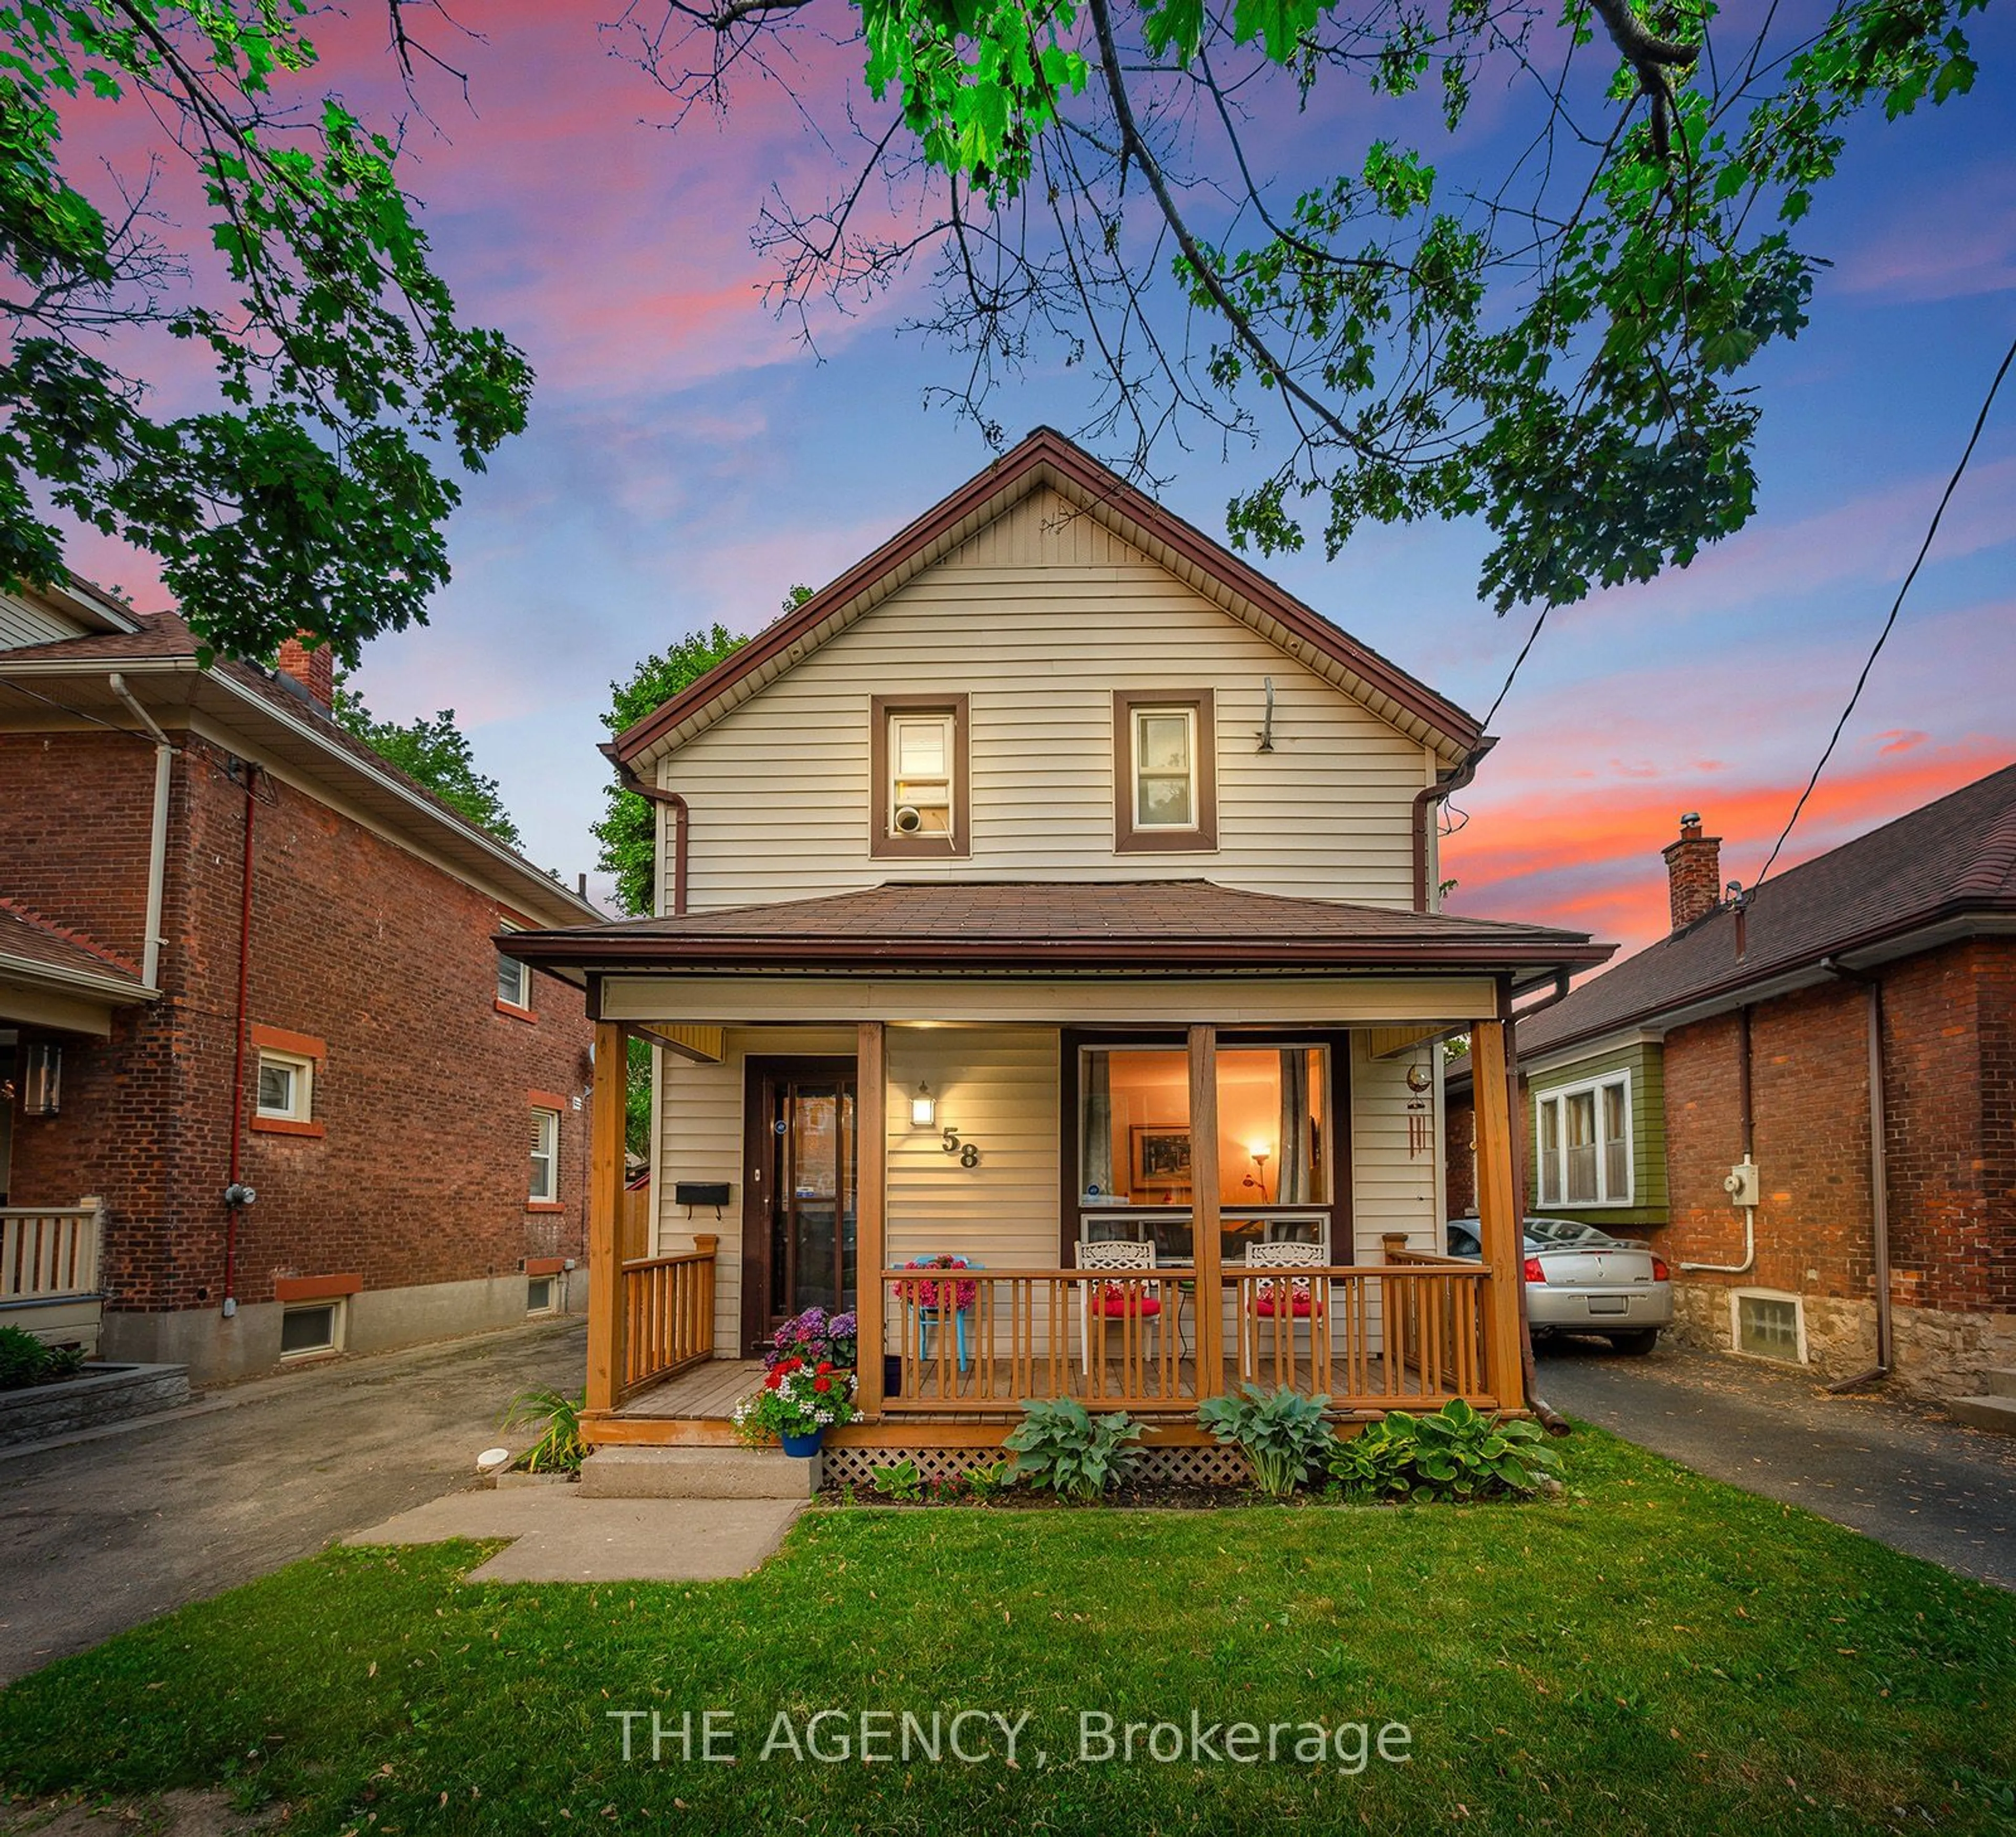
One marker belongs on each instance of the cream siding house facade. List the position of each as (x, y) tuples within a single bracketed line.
[(1052, 890)]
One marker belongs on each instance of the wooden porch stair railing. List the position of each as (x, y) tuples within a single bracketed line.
[(668, 1314)]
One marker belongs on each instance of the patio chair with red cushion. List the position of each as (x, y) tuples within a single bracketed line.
[(1115, 1300)]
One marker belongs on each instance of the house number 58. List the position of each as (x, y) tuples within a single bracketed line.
[(968, 1154)]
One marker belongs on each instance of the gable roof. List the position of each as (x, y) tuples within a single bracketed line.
[(1174, 926), (1045, 458), (1950, 862), (161, 662)]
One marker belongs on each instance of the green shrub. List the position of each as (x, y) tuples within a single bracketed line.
[(1283, 1436), (1063, 1445), (560, 1448), (902, 1482), (1453, 1454), (26, 1361), (990, 1481)]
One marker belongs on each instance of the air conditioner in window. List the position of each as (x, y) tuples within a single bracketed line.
[(909, 819)]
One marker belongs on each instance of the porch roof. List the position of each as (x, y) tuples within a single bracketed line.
[(1184, 925)]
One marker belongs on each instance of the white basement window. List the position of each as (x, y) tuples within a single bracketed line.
[(1769, 1327), (313, 1327)]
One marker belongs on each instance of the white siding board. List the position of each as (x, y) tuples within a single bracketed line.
[(23, 624), (1039, 617)]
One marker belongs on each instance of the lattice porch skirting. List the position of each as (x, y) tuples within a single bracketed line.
[(1207, 1465)]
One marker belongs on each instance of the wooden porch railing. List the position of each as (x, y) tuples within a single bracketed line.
[(50, 1252), (667, 1313), (1444, 1346), (1378, 1337)]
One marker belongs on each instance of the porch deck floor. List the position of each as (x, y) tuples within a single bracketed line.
[(709, 1392)]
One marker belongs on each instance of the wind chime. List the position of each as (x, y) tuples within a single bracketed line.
[(1420, 1133)]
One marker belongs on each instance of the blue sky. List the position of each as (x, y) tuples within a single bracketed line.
[(688, 461)]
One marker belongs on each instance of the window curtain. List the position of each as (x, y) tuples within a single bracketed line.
[(1293, 1174), (1095, 1128)]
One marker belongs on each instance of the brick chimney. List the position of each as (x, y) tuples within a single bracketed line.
[(1693, 872), (314, 669)]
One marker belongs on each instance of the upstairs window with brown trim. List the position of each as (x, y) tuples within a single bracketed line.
[(1165, 770), (918, 772)]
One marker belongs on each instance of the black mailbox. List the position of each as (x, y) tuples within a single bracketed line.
[(691, 1193)]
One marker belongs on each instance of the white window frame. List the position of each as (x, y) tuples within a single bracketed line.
[(947, 723), (1144, 711), (301, 1107), (522, 1001), (553, 1294), (546, 1149), (1556, 1096), (1738, 1296), (339, 1321)]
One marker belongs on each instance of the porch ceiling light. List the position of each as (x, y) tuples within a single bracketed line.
[(923, 1109)]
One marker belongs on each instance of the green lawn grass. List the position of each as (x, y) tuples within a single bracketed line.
[(1655, 1652)]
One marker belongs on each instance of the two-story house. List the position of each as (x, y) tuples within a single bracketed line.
[(270, 1091), (1054, 892)]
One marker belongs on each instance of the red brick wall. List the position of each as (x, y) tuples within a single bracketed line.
[(1948, 1122), (75, 812), (422, 1172)]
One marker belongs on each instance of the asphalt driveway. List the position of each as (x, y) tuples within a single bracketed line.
[(1896, 1471), (102, 1534)]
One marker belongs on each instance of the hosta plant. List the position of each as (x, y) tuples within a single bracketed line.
[(1455, 1453), (1283, 1434), (1064, 1446)]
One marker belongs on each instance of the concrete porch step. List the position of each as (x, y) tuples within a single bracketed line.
[(1997, 1413), (697, 1473), (2000, 1382)]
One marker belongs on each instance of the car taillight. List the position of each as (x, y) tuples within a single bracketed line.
[(1658, 1269), (1534, 1273)]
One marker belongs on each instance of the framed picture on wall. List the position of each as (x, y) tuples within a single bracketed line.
[(1162, 1160)]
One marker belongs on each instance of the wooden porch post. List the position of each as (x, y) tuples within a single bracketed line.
[(1203, 1211), (1499, 1207), (871, 1103), (606, 1117)]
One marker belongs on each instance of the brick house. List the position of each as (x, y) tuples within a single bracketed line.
[(1848, 1031), (239, 951)]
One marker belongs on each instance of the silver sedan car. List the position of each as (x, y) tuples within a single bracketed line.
[(1579, 1279)]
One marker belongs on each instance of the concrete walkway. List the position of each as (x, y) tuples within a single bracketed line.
[(100, 1534), (1894, 1471), (561, 1537)]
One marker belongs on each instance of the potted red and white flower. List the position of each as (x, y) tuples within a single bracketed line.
[(800, 1399)]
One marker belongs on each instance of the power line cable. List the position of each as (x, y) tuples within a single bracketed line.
[(1896, 606)]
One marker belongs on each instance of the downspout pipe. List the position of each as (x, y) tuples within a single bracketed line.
[(235, 1194), (1446, 785), (1747, 1123), (672, 802), (1551, 1419), (157, 841), (1879, 1177)]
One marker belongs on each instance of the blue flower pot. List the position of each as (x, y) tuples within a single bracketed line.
[(802, 1447)]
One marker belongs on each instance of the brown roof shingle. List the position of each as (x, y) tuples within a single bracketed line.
[(1024, 924), (28, 937), (1949, 858)]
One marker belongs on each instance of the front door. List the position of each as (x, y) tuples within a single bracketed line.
[(798, 1216)]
